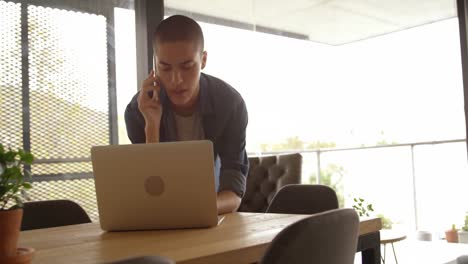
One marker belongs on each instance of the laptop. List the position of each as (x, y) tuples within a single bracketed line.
[(155, 186)]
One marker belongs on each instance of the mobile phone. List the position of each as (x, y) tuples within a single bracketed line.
[(150, 93)]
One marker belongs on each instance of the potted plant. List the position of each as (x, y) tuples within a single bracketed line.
[(387, 223), (463, 234), (451, 235), (12, 188)]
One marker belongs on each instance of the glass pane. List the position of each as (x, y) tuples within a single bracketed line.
[(355, 74), (441, 180), (125, 62), (309, 167), (382, 177), (368, 91)]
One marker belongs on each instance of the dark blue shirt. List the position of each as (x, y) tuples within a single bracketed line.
[(224, 120)]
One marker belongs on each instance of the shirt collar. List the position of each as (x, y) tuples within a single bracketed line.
[(204, 103)]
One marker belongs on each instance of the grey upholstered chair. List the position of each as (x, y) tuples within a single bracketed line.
[(303, 199), (462, 259), (52, 213), (325, 238), (266, 176), (144, 260)]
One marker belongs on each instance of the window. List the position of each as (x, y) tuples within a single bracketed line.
[(64, 77), (334, 76)]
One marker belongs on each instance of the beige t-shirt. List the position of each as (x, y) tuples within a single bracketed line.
[(189, 127)]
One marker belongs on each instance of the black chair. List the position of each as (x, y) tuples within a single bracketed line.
[(52, 213), (144, 260), (326, 238), (303, 199)]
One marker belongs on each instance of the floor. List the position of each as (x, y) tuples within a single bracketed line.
[(412, 251)]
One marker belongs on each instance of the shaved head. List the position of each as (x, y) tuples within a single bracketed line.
[(178, 28)]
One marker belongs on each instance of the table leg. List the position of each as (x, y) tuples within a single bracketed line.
[(396, 261), (369, 246), (384, 253)]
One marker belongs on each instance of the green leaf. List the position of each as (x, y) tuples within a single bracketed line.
[(360, 199), (12, 176), (3, 190), (9, 157), (8, 187), (16, 173), (27, 158)]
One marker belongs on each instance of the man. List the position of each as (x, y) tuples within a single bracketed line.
[(177, 102)]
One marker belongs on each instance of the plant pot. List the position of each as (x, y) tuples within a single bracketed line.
[(451, 236), (463, 237), (10, 223), (22, 256), (424, 235)]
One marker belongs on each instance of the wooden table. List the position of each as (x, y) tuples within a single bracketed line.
[(241, 238), (390, 236)]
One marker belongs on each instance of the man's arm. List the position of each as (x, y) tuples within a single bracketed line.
[(234, 162), (150, 107), (152, 132), (135, 122), (228, 202), (143, 113)]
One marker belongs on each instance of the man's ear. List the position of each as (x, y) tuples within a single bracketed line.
[(204, 57)]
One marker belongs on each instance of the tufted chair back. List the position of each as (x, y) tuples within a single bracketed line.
[(266, 176)]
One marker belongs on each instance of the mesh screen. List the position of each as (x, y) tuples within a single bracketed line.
[(60, 168), (68, 94), (80, 191), (11, 130), (68, 98), (68, 82)]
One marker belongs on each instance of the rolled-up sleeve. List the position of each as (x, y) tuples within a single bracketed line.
[(134, 122), (234, 161)]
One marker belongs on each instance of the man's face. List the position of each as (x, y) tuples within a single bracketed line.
[(178, 65)]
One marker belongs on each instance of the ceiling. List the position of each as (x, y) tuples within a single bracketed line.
[(333, 22)]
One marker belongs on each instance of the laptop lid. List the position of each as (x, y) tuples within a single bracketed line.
[(155, 186)]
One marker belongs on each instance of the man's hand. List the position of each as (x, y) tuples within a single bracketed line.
[(228, 202), (150, 107)]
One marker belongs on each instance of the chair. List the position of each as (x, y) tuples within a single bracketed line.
[(144, 260), (462, 259), (266, 176), (303, 199), (52, 213), (325, 238)]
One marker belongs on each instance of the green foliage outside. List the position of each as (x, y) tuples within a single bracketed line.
[(295, 143), (385, 143), (387, 223), (331, 176)]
